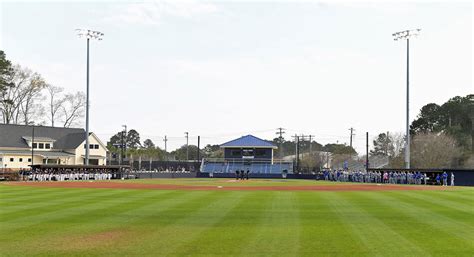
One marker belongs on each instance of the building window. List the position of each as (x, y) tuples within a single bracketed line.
[(47, 146), (20, 160), (96, 146), (247, 152), (41, 146), (1, 160), (35, 145), (91, 146), (235, 153), (29, 159), (260, 152), (12, 159)]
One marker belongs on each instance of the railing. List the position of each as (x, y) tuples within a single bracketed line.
[(265, 166)]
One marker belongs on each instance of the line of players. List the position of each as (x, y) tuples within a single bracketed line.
[(242, 174), (416, 178), (67, 176)]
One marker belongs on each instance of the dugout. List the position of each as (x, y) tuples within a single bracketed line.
[(118, 171), (462, 177)]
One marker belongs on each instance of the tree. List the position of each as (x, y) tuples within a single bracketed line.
[(148, 144), (133, 139), (312, 162), (180, 153), (55, 103), (339, 149), (19, 99), (73, 108), (383, 146), (434, 150), (428, 120), (5, 72), (213, 151)]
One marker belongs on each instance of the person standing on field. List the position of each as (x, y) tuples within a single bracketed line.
[(438, 179), (452, 179), (445, 179)]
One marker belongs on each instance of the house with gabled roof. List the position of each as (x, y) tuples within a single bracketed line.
[(20, 146)]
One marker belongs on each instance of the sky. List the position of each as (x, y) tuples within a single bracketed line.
[(222, 69)]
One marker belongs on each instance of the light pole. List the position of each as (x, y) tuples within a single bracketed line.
[(88, 34), (32, 145), (187, 145), (406, 35)]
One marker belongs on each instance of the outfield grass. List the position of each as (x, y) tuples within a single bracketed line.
[(105, 222)]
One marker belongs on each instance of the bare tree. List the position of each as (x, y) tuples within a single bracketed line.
[(19, 102), (73, 108), (56, 102), (434, 150)]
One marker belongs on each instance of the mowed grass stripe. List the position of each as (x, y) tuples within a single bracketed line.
[(182, 224), (278, 231), (60, 220), (322, 228), (377, 237), (89, 220), (202, 222), (461, 195), (465, 206), (52, 202), (435, 217), (414, 225), (30, 195), (135, 220), (8, 190), (235, 230), (55, 204)]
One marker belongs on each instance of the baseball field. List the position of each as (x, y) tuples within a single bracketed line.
[(222, 217)]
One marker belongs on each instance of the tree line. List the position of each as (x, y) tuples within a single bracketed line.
[(27, 98), (442, 137)]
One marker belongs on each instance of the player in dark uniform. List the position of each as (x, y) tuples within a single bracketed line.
[(236, 174), (242, 174), (247, 174)]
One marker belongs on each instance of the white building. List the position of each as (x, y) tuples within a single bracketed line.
[(49, 145)]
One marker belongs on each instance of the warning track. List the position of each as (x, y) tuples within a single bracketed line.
[(121, 185)]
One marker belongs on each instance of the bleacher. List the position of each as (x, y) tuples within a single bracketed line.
[(209, 166)]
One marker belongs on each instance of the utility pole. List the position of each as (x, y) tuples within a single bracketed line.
[(187, 145), (280, 132), (387, 143), (199, 148), (121, 148), (367, 151), (310, 144), (124, 143), (32, 147), (297, 152), (166, 150), (406, 35), (352, 134)]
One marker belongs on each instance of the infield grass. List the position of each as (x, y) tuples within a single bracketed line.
[(38, 221)]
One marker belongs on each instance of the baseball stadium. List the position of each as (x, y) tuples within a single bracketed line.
[(228, 217), (236, 128)]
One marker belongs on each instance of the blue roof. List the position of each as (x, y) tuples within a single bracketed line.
[(248, 141)]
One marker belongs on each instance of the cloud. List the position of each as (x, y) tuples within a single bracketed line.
[(153, 13)]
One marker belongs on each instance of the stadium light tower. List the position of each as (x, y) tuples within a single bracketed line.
[(406, 35), (88, 34)]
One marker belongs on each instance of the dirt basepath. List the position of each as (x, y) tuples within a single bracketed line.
[(335, 187)]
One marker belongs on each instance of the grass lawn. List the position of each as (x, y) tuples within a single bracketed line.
[(37, 221)]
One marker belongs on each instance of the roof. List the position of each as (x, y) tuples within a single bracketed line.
[(37, 139), (248, 141), (37, 153), (66, 166), (66, 138)]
